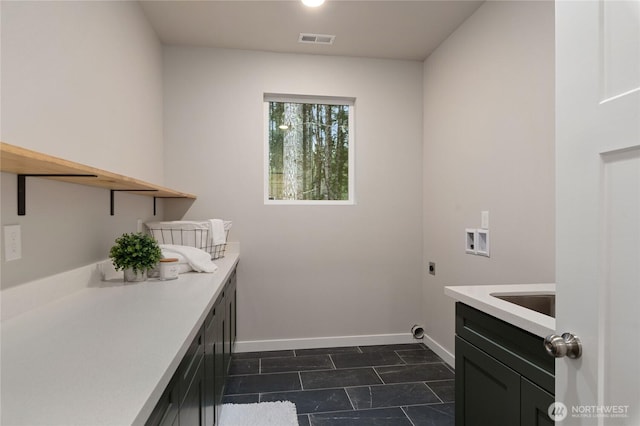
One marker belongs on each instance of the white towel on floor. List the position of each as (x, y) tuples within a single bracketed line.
[(277, 413), (218, 234), (198, 259)]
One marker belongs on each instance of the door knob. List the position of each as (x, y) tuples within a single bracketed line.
[(565, 345)]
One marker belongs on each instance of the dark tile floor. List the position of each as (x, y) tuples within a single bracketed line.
[(385, 385)]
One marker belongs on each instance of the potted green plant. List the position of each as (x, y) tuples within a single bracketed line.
[(135, 254)]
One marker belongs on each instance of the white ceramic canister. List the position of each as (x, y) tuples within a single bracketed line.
[(168, 268)]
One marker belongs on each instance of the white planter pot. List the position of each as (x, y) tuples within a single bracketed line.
[(130, 276)]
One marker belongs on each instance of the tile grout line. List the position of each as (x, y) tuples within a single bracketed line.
[(324, 370), (349, 398), (350, 411), (401, 407), (407, 416), (439, 402), (379, 376), (425, 382), (434, 392), (334, 388), (400, 357), (332, 362)]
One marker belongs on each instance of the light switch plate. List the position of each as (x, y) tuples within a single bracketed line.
[(12, 242), (484, 219)]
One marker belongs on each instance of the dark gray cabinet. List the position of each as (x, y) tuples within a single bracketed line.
[(230, 299), (192, 383), (490, 390), (503, 375), (214, 377), (194, 394), (218, 355), (182, 402), (166, 410), (534, 405), (215, 372)]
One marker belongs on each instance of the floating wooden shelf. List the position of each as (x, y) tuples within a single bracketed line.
[(24, 163)]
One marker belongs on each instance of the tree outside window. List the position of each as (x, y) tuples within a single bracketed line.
[(309, 151)]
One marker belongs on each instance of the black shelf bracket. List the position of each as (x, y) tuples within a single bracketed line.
[(22, 187), (164, 198), (113, 191)]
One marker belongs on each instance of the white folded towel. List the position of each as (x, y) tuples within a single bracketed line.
[(198, 259), (218, 234)]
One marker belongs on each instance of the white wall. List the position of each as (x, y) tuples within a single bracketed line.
[(305, 271), (82, 81), (489, 145)]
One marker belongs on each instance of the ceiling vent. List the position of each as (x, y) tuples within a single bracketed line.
[(316, 38)]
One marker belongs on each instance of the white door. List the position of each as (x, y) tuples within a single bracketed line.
[(598, 209)]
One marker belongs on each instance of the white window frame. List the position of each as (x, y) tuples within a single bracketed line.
[(309, 99)]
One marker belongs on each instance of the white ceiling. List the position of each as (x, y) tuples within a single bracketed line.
[(377, 29)]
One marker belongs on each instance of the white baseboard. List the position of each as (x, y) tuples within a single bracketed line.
[(323, 342), (446, 356), (338, 341)]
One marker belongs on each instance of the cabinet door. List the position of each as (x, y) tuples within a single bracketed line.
[(166, 411), (233, 302), (191, 383), (487, 391), (534, 405), (209, 367), (230, 317), (218, 354), (192, 412)]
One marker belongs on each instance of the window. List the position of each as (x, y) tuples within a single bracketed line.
[(309, 150)]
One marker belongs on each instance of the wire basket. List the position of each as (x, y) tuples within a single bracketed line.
[(189, 233)]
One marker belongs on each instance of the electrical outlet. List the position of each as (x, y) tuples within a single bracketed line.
[(12, 242), (432, 268)]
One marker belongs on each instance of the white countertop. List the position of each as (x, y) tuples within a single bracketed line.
[(103, 354), (479, 297)]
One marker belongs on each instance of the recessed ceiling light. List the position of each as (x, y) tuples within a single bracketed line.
[(312, 3)]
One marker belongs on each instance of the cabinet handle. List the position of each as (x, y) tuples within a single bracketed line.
[(565, 345)]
